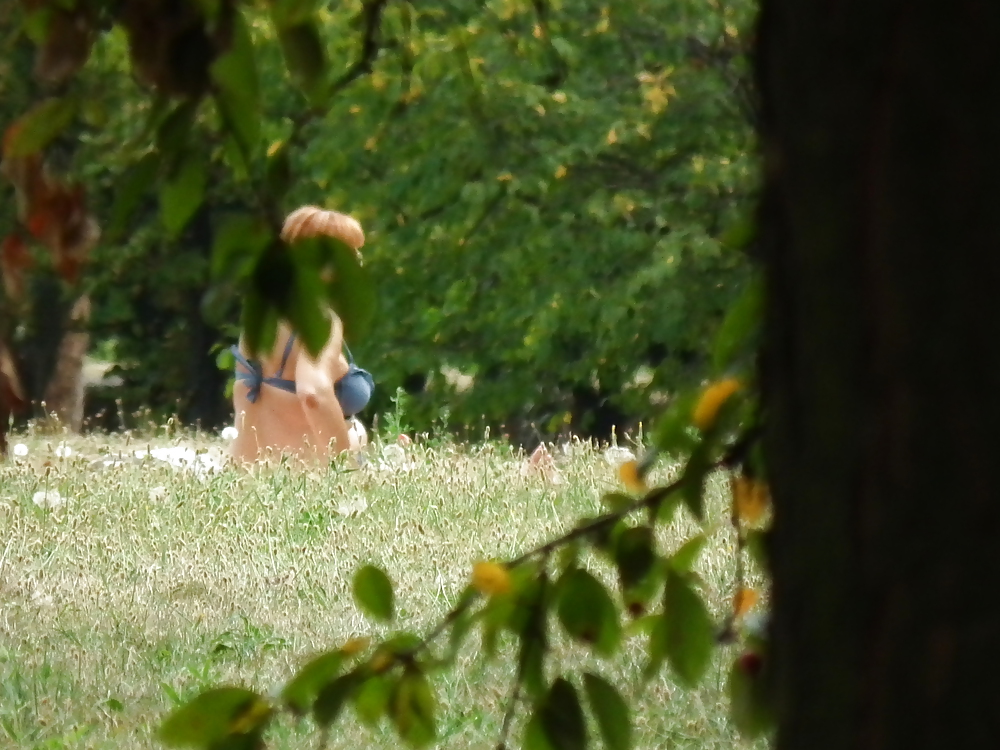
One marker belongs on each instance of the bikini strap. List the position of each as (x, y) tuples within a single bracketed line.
[(284, 358), (350, 357)]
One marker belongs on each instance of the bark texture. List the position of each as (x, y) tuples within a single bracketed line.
[(880, 231)]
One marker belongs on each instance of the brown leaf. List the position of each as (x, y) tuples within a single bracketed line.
[(14, 260)]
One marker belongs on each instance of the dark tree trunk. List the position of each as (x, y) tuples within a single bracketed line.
[(880, 370)]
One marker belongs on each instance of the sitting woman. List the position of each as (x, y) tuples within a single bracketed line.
[(289, 402)]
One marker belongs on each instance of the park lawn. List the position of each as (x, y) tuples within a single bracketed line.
[(149, 584)]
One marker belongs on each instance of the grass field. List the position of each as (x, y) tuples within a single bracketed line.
[(145, 584)]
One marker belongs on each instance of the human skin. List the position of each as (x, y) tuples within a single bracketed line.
[(308, 424)]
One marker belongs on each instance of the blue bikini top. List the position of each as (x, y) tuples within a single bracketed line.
[(353, 391)]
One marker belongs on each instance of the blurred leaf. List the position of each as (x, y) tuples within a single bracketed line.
[(412, 709), (331, 698), (534, 732), (588, 612), (278, 177), (213, 716), (182, 194), (693, 490), (372, 699), (616, 501), (132, 187), (291, 12), (351, 292), (562, 717), (673, 434), (634, 555), (756, 544), (259, 323), (39, 126), (666, 508), (735, 335), (300, 692), (239, 242), (748, 705), (610, 710), (173, 131), (684, 558), (373, 592), (689, 631), (237, 90), (305, 56)]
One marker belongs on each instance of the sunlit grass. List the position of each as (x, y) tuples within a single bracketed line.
[(145, 584)]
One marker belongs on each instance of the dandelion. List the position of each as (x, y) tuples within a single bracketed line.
[(229, 433), (352, 507), (393, 455), (157, 494), (712, 398), (20, 450), (41, 599), (63, 450), (50, 499), (490, 578)]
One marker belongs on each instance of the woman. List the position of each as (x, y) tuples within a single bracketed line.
[(288, 402)]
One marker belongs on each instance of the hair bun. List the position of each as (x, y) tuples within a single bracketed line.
[(313, 221)]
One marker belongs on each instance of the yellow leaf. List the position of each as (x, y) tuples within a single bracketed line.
[(505, 177), (628, 472), (490, 578), (560, 172), (250, 718), (354, 645), (712, 399), (743, 601), (381, 661), (371, 144), (560, 97), (751, 499), (612, 137)]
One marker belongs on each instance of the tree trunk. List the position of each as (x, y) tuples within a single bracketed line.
[(880, 238)]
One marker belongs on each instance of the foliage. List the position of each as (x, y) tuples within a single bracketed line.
[(548, 192), (561, 582)]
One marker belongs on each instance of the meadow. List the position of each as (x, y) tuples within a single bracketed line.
[(140, 583)]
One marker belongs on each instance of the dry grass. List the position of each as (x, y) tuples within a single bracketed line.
[(149, 584)]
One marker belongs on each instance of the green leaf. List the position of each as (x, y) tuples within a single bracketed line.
[(236, 87), (259, 323), (748, 704), (664, 509), (182, 194), (332, 697), (693, 489), (240, 240), (305, 56), (373, 592), (300, 692), (133, 185), (412, 709), (562, 717), (587, 612), (173, 131), (741, 322), (689, 631), (756, 544), (534, 732), (306, 310), (684, 558), (531, 657), (610, 710), (616, 501), (351, 292), (634, 555), (213, 716), (291, 12), (39, 126), (371, 702), (673, 434)]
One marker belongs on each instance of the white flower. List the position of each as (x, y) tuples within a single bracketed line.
[(616, 455), (63, 450), (157, 493), (353, 506), (229, 433), (48, 499), (41, 599), (20, 449), (393, 454)]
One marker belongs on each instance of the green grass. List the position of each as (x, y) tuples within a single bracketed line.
[(150, 584)]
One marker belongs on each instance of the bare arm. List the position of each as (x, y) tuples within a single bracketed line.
[(314, 379)]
